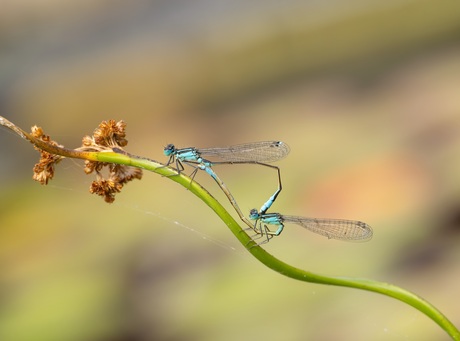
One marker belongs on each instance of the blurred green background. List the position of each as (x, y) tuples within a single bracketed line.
[(366, 93)]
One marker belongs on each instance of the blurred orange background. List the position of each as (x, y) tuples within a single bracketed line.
[(366, 94)]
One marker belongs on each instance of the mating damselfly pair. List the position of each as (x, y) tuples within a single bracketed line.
[(262, 153)]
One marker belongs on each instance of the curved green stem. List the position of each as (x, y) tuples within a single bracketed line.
[(278, 265)]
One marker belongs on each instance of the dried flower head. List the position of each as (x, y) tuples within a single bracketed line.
[(108, 135), (44, 169), (111, 134), (118, 176), (105, 188)]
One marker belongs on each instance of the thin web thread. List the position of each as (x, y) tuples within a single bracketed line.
[(204, 236)]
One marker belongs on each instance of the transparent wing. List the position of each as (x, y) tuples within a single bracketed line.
[(349, 230), (266, 151)]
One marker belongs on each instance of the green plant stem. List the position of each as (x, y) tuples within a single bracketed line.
[(263, 256)]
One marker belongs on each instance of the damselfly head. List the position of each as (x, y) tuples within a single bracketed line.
[(254, 214), (169, 149)]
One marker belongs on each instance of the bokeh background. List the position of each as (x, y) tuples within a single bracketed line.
[(366, 93)]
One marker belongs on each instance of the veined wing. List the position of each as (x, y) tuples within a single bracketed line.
[(266, 151), (349, 230)]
